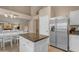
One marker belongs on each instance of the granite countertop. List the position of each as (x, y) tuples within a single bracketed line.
[(33, 37)]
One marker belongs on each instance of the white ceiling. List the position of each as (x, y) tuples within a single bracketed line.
[(20, 9), (23, 9)]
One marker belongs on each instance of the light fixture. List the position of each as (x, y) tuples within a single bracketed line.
[(5, 15), (11, 16), (14, 16)]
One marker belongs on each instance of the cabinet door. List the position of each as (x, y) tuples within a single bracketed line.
[(44, 25), (74, 18), (25, 45), (25, 48), (42, 45), (74, 43)]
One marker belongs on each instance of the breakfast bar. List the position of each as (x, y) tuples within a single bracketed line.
[(31, 42)]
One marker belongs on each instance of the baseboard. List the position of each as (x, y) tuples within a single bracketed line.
[(59, 48)]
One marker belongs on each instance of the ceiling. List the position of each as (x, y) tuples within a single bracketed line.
[(23, 9), (20, 9)]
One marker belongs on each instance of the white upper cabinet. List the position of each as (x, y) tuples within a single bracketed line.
[(74, 18)]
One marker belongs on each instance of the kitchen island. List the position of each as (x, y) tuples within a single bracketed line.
[(31, 42)]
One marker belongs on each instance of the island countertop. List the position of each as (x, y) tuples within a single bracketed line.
[(34, 37)]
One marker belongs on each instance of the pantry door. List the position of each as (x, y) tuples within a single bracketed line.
[(44, 25)]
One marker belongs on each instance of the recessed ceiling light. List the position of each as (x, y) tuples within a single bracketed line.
[(5, 15), (11, 16), (14, 16)]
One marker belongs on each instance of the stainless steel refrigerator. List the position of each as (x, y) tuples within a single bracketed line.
[(59, 32)]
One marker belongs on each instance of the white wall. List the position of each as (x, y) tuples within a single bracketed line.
[(63, 10)]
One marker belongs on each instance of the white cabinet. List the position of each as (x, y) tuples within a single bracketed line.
[(74, 18), (74, 42), (41, 46), (26, 45)]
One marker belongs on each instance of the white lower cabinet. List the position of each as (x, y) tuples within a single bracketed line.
[(41, 46), (74, 43), (26, 45)]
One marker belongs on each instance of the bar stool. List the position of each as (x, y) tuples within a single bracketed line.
[(1, 42), (16, 39), (7, 39)]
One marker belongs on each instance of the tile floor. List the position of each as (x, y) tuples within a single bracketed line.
[(15, 48)]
